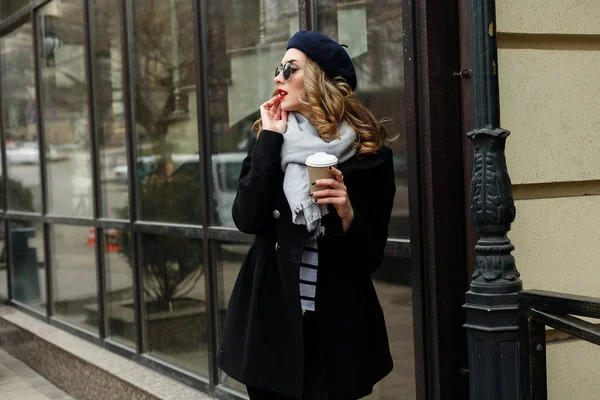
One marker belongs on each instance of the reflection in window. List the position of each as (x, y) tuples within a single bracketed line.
[(108, 101), (246, 41), (394, 289), (168, 164), (229, 260), (8, 7), (27, 263), (19, 120), (373, 33), (74, 275), (64, 90), (119, 287), (175, 300)]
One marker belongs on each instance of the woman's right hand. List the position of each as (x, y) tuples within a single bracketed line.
[(273, 117)]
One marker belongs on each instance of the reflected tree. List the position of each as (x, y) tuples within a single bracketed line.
[(163, 64), (171, 266)]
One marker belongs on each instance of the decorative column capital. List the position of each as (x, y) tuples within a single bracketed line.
[(496, 132), (492, 204)]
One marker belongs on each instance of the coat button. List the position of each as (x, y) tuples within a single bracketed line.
[(277, 246), (276, 214)]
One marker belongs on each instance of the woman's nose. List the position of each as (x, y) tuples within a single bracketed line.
[(278, 78)]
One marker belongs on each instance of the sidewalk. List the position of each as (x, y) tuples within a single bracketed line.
[(19, 382)]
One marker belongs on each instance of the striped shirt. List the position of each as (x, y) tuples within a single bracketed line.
[(308, 275)]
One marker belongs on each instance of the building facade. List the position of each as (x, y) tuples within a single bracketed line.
[(552, 160)]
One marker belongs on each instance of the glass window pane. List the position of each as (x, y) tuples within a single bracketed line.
[(229, 261), (27, 263), (175, 300), (19, 118), (394, 289), (8, 7), (74, 275), (247, 40), (109, 107), (65, 107), (373, 33), (119, 286), (168, 167)]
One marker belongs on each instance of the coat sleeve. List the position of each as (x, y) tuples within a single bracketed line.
[(364, 241), (258, 183)]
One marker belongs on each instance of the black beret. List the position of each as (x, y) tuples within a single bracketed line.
[(326, 52)]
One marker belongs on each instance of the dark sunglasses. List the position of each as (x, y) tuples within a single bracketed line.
[(288, 69)]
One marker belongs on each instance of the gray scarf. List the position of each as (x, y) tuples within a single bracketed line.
[(300, 141)]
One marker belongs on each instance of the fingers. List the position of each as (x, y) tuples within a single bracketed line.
[(267, 105), (336, 201), (278, 111), (268, 114), (337, 174), (329, 193), (337, 195), (271, 109), (270, 102), (335, 184)]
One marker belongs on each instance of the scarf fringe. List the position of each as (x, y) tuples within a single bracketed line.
[(313, 223)]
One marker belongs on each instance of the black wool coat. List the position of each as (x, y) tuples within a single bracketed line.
[(261, 342)]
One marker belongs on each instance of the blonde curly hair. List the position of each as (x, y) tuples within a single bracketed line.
[(332, 101)]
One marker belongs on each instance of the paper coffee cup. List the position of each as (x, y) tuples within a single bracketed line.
[(318, 165)]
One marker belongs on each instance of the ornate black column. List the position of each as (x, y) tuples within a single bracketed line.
[(491, 303)]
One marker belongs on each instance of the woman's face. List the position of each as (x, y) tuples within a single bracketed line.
[(289, 89)]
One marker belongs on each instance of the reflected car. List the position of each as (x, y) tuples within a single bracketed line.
[(145, 168), (28, 153), (225, 172), (226, 169)]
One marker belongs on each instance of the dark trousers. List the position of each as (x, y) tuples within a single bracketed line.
[(314, 387)]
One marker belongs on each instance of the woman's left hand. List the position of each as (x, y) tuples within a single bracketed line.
[(337, 195)]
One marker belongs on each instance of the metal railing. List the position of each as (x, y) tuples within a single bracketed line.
[(538, 309)]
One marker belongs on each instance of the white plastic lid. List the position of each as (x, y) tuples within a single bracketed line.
[(321, 159)]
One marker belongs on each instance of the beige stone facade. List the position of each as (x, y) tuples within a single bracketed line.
[(549, 56)]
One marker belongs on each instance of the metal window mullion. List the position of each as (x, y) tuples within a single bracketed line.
[(307, 14), (413, 96), (43, 171), (201, 57), (169, 229), (112, 224), (48, 218), (94, 158), (128, 100)]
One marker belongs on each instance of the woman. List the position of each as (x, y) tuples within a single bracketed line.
[(304, 321)]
